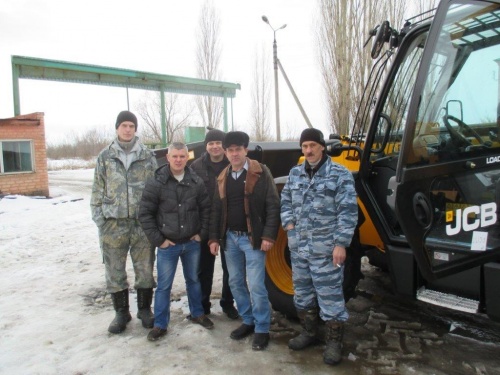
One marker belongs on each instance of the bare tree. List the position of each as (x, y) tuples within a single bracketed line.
[(334, 58), (208, 55), (343, 27), (177, 116), (426, 5), (291, 132), (85, 144), (261, 92)]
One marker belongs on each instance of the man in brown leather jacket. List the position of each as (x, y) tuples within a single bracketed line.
[(244, 217)]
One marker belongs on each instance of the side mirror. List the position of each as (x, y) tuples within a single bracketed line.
[(334, 147), (383, 35)]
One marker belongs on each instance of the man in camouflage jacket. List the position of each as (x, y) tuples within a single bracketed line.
[(120, 175), (319, 213)]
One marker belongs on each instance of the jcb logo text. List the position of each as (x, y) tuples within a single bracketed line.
[(480, 216)]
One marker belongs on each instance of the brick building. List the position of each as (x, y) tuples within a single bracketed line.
[(23, 156)]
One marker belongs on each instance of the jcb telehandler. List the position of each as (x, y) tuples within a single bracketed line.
[(425, 154)]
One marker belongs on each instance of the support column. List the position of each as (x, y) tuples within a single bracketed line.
[(164, 139)]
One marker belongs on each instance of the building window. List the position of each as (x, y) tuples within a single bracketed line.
[(16, 156)]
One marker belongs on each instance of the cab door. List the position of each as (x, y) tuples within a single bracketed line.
[(446, 187)]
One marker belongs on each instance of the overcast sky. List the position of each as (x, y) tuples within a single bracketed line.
[(159, 37)]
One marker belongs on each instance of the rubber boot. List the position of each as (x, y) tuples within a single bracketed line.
[(334, 334), (309, 322), (144, 299), (122, 316)]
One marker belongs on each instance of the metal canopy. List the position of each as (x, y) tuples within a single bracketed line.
[(53, 70)]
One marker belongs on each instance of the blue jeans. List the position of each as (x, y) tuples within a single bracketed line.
[(166, 264), (243, 261)]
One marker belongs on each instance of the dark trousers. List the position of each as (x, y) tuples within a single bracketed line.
[(206, 276)]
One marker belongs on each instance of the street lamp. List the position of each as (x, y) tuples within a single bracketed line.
[(275, 59)]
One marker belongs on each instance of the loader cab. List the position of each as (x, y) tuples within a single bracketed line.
[(430, 172)]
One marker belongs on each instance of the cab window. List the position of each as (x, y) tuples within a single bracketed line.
[(460, 104)]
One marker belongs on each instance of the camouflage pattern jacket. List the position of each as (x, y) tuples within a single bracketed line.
[(323, 209), (117, 192)]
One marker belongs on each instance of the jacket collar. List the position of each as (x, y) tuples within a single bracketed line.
[(322, 171), (163, 173), (141, 150), (253, 174), (206, 158)]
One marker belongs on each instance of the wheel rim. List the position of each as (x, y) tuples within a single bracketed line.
[(277, 267)]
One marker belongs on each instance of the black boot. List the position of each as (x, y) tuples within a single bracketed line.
[(144, 299), (334, 334), (122, 317), (309, 322)]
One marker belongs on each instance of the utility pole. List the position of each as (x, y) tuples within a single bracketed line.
[(276, 91)]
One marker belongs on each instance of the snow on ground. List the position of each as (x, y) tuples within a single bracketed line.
[(54, 311)]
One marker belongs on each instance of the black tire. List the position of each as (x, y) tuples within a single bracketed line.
[(280, 301), (352, 267), (377, 259)]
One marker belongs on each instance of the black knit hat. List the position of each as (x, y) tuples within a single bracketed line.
[(126, 116), (236, 138), (214, 135), (314, 135)]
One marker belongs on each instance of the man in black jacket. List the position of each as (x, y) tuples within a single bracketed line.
[(244, 218), (208, 166), (174, 214)]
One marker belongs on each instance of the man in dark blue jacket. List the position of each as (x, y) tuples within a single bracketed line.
[(174, 214)]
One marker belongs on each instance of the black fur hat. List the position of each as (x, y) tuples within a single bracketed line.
[(236, 138)]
